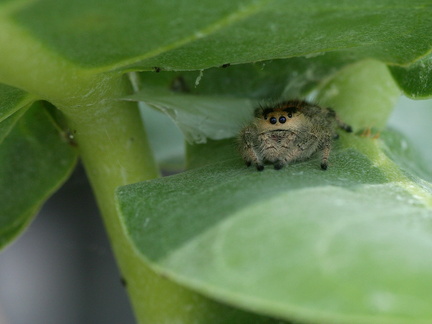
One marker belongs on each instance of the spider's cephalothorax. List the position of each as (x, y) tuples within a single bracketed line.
[(287, 132)]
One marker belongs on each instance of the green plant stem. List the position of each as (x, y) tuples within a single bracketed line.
[(115, 152)]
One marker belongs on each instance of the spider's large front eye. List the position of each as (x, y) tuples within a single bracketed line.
[(282, 119), (273, 120)]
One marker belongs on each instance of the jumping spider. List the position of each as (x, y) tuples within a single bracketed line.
[(287, 132)]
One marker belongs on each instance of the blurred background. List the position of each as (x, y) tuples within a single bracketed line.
[(61, 270)]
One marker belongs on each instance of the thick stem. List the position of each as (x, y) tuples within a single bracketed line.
[(115, 152)]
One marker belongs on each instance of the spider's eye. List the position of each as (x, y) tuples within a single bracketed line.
[(273, 120), (282, 119), (289, 115)]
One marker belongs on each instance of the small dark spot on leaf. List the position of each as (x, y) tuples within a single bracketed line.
[(179, 85), (69, 136), (123, 282)]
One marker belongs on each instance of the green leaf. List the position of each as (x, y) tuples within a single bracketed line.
[(347, 245), (7, 124), (36, 159), (84, 38), (11, 100), (13, 104), (416, 79), (201, 34)]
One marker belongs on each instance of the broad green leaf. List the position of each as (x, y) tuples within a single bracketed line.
[(13, 104), (11, 100), (200, 34), (416, 79), (348, 245), (35, 160), (84, 38)]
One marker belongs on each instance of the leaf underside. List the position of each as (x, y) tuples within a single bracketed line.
[(199, 34), (36, 159), (367, 27), (195, 35), (11, 100)]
